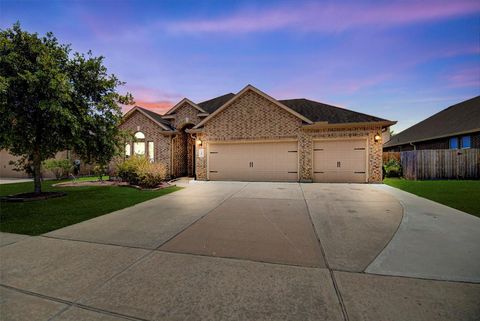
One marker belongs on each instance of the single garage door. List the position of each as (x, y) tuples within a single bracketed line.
[(253, 161), (342, 161)]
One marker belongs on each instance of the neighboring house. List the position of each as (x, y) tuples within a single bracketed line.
[(455, 127), (7, 170), (251, 136)]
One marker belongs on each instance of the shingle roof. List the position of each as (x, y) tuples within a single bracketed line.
[(313, 110), (213, 104), (461, 117), (316, 112), (157, 117)]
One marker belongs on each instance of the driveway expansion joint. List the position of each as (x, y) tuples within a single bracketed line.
[(70, 304), (96, 243), (201, 217), (332, 276), (242, 259)]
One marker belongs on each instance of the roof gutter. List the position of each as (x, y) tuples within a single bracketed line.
[(325, 124)]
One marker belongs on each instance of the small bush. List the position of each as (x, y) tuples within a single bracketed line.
[(100, 171), (139, 171), (59, 167), (392, 168)]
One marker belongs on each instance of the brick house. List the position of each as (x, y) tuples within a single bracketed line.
[(455, 127), (254, 137)]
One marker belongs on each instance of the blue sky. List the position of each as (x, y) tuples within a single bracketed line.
[(401, 60)]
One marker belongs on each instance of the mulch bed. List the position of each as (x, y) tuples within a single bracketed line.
[(161, 186), (90, 183), (29, 197), (111, 183)]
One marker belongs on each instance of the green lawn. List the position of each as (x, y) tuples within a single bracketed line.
[(80, 204), (460, 194)]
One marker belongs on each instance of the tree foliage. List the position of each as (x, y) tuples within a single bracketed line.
[(53, 99)]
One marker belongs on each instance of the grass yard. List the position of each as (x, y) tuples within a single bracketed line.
[(460, 194), (80, 204)]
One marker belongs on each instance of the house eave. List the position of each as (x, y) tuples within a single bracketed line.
[(324, 124), (136, 108)]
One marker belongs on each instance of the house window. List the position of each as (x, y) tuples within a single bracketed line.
[(139, 148), (139, 135), (139, 144), (453, 143), (128, 150), (466, 142), (151, 151)]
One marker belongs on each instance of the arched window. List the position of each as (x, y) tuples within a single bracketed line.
[(139, 135), (139, 144)]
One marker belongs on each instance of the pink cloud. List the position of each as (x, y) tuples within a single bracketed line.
[(157, 100), (159, 107), (330, 17), (145, 93)]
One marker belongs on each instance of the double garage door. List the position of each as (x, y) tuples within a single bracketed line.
[(253, 161), (333, 161)]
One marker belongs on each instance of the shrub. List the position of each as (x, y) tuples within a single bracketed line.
[(59, 167), (392, 168), (152, 176), (138, 170), (100, 171)]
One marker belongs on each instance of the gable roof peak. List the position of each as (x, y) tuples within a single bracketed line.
[(181, 102), (155, 117), (261, 93)]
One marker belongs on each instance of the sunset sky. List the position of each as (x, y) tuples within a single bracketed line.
[(400, 60)]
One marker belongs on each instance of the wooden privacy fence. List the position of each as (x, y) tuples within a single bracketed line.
[(390, 155), (441, 163)]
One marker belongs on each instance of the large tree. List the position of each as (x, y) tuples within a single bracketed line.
[(52, 99)]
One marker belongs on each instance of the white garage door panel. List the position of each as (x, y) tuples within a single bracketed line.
[(254, 161), (339, 161)]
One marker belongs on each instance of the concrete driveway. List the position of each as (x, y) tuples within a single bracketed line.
[(252, 251)]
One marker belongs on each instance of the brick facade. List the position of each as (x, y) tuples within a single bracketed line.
[(253, 117), (185, 117), (185, 114), (138, 122), (250, 117), (183, 151)]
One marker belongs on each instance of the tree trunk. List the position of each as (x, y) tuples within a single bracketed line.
[(37, 163)]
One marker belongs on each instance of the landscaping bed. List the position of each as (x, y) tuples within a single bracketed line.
[(105, 183)]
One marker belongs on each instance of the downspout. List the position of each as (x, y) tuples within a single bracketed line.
[(194, 137), (414, 147), (171, 156)]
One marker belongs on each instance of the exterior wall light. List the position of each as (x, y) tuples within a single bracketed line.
[(377, 138), (199, 142)]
